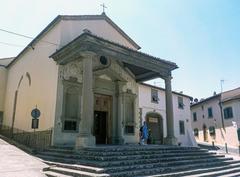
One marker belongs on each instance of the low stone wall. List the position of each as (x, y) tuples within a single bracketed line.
[(37, 140)]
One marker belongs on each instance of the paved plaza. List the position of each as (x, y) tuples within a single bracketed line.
[(16, 163)]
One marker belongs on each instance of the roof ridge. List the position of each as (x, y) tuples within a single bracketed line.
[(7, 58), (231, 90), (161, 88), (104, 17), (121, 45)]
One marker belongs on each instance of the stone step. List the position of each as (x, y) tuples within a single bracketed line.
[(62, 147), (182, 172), (142, 152), (138, 148), (113, 164), (64, 151), (161, 165), (128, 162), (127, 167), (151, 172), (133, 160), (54, 174), (110, 153), (237, 174), (218, 173), (76, 167), (126, 157), (145, 172), (72, 172), (67, 160), (170, 169), (124, 148)]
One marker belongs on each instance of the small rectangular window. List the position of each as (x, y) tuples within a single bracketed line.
[(154, 96), (129, 129), (180, 103), (228, 113), (181, 127), (70, 125), (210, 114), (212, 131), (194, 117)]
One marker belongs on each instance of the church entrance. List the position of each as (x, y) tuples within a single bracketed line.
[(102, 118), (155, 126), (100, 127)]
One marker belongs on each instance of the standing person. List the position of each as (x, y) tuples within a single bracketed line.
[(149, 140), (144, 133)]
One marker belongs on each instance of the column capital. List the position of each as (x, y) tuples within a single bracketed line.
[(119, 86), (168, 77)]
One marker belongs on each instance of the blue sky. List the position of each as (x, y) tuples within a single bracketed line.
[(201, 36)]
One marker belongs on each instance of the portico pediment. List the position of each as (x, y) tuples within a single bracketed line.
[(144, 67)]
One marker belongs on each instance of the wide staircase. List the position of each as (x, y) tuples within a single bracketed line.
[(134, 160)]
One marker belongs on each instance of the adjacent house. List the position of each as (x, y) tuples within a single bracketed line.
[(217, 118), (152, 105)]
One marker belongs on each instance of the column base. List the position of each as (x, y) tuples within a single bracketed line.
[(117, 140), (85, 141), (170, 140)]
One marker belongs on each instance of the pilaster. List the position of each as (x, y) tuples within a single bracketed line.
[(85, 137), (119, 123)]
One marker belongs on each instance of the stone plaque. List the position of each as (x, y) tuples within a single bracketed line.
[(153, 120)]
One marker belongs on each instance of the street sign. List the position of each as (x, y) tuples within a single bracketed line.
[(35, 123), (35, 113)]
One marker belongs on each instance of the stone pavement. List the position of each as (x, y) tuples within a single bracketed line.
[(16, 163)]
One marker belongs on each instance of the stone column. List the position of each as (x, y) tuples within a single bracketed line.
[(119, 139), (85, 137), (170, 139)]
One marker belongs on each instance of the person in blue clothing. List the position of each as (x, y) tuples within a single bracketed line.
[(144, 133)]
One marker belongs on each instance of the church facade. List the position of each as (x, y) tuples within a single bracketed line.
[(83, 74)]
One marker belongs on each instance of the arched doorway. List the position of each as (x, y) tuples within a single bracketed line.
[(155, 125), (205, 135)]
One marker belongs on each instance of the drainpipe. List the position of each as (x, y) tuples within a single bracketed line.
[(220, 105)]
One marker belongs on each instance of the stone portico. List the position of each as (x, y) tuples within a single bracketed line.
[(98, 91)]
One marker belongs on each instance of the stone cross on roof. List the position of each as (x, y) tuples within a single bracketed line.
[(104, 7)]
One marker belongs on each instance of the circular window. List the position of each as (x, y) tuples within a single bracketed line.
[(103, 60)]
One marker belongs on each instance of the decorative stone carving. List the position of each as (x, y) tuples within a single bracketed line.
[(72, 69), (131, 84)]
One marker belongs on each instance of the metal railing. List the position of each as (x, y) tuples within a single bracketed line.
[(36, 140)]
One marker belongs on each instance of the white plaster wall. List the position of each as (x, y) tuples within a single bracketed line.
[(179, 114), (231, 132), (202, 118), (73, 28), (147, 106), (41, 92), (3, 78)]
